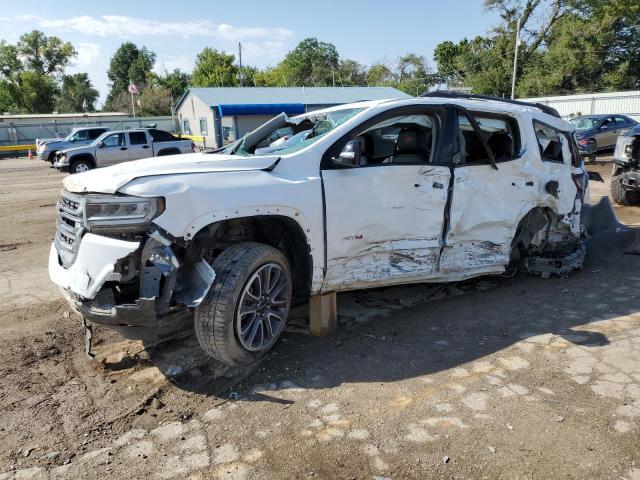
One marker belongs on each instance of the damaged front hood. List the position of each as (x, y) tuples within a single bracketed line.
[(111, 179)]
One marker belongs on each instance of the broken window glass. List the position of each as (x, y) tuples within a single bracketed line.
[(499, 132), (554, 145)]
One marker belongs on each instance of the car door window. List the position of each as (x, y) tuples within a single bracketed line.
[(81, 135), (554, 145), (93, 134), (137, 138), (500, 133), (621, 122), (161, 136), (608, 124), (115, 140), (403, 139)]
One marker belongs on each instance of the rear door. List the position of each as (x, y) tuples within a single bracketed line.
[(485, 202), (139, 145), (488, 204), (384, 218), (112, 149), (607, 135)]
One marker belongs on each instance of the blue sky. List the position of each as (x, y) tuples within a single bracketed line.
[(366, 31)]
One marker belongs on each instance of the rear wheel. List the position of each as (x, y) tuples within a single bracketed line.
[(621, 195), (246, 308), (79, 166)]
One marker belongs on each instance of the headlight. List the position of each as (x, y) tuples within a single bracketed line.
[(121, 213), (624, 147)]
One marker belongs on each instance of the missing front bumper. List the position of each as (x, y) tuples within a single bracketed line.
[(104, 310)]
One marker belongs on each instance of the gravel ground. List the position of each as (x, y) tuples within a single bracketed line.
[(494, 378)]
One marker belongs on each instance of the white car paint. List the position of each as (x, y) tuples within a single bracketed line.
[(383, 225), (93, 266)]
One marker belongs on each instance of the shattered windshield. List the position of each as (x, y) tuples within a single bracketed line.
[(284, 135), (585, 123)]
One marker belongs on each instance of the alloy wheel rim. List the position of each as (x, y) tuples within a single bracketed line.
[(81, 168), (262, 309)]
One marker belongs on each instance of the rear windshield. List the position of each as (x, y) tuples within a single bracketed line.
[(289, 134)]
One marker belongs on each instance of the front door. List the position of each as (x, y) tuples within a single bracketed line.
[(384, 218), (113, 149)]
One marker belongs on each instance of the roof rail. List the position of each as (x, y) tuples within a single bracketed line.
[(453, 94)]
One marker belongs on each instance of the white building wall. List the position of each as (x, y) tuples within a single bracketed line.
[(625, 103), (193, 109)]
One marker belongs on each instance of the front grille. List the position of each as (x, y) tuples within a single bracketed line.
[(69, 227)]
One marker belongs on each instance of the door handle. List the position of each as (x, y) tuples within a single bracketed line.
[(123, 148), (145, 146)]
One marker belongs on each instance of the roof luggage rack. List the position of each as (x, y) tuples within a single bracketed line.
[(452, 94)]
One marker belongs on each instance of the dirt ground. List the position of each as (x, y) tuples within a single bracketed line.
[(495, 378)]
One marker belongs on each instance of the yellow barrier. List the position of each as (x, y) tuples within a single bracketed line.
[(16, 148), (195, 138)]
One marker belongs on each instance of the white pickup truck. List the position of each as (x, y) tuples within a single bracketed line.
[(115, 147), (434, 189)]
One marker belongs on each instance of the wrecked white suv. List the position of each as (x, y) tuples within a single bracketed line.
[(433, 189)]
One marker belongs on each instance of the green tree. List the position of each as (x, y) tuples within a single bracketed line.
[(311, 63), (128, 64), (43, 54), (214, 69), (351, 73), (37, 92), (412, 74), (567, 46), (155, 101), (381, 75), (75, 91), (7, 98), (176, 82), (30, 72)]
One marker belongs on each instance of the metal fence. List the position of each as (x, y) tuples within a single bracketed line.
[(25, 131), (625, 103)]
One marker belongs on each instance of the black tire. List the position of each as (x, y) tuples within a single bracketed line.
[(79, 166), (622, 196), (215, 317), (52, 158)]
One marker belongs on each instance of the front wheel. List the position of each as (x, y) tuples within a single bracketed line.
[(79, 166), (246, 308), (621, 195)]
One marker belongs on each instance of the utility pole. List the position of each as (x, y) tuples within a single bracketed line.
[(240, 61), (515, 61)]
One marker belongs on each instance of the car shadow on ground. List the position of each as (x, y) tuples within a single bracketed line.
[(393, 334)]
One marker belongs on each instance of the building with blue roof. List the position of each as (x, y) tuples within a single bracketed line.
[(222, 114)]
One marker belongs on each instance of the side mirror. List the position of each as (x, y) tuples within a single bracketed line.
[(72, 139), (349, 156), (101, 145)]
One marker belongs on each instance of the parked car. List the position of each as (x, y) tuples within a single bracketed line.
[(599, 132), (625, 179), (46, 149), (121, 146), (434, 189)]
